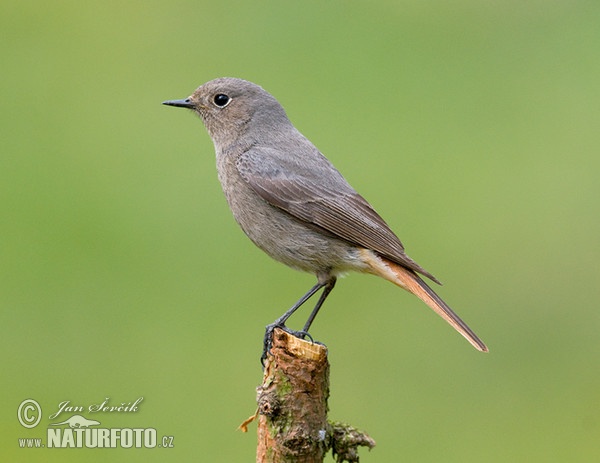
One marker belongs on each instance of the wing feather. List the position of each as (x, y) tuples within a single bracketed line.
[(312, 190)]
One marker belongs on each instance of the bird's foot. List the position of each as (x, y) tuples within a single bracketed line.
[(268, 339)]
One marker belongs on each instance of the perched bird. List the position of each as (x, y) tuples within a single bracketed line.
[(295, 205)]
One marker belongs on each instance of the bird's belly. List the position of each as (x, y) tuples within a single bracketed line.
[(301, 247)]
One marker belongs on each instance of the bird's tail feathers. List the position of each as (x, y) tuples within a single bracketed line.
[(410, 281)]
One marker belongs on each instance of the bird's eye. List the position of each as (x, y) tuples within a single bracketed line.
[(221, 100)]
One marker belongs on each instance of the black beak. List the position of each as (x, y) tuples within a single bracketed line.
[(187, 103)]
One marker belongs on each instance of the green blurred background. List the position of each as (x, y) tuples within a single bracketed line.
[(472, 127)]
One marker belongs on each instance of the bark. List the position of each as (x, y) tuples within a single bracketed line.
[(292, 407)]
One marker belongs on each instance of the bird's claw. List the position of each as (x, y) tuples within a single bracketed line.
[(268, 339)]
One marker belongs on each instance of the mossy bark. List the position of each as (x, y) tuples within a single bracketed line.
[(292, 407)]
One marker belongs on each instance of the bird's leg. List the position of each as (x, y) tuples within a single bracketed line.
[(280, 322), (328, 287)]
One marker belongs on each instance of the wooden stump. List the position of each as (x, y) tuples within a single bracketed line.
[(292, 407)]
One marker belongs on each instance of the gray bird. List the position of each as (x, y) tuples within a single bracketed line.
[(295, 205)]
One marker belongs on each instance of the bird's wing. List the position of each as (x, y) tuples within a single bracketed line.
[(312, 190)]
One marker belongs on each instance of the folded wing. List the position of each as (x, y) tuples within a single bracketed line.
[(312, 190)]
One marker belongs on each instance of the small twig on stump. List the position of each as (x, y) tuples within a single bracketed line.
[(292, 407)]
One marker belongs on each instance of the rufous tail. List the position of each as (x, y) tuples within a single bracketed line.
[(410, 281)]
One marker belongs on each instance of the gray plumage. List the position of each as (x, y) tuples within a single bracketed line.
[(290, 200)]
